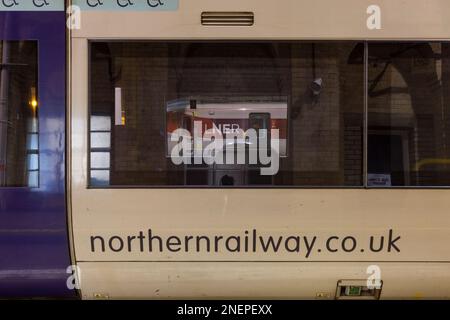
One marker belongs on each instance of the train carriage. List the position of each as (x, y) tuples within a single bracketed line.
[(230, 149), (34, 239), (362, 186)]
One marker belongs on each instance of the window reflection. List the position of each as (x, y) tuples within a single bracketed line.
[(409, 114), (19, 136), (304, 102), (100, 150)]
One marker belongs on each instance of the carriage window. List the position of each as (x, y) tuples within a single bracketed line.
[(100, 149), (19, 139), (216, 114), (409, 114)]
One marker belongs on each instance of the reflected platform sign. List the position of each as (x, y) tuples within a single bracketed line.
[(31, 5), (127, 5)]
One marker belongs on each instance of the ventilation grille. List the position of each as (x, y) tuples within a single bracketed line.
[(228, 18)]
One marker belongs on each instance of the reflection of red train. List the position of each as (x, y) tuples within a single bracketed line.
[(229, 116)]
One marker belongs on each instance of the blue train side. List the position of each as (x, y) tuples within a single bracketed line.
[(34, 239)]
